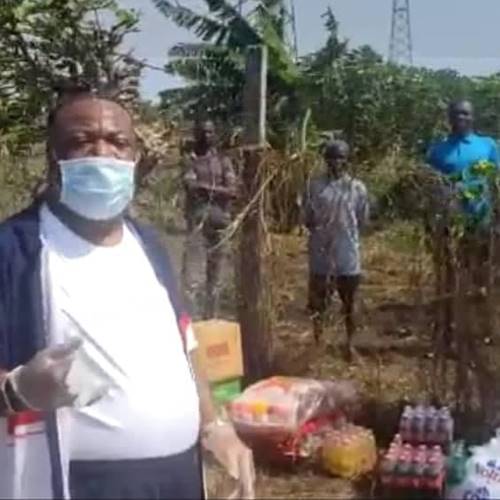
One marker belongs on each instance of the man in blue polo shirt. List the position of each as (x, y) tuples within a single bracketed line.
[(459, 152), (455, 157), (462, 148)]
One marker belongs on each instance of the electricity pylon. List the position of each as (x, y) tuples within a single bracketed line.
[(401, 45)]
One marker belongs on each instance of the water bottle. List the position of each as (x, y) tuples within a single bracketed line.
[(443, 427), (419, 426), (448, 425), (430, 425)]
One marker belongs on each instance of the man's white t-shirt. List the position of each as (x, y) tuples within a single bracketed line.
[(131, 336)]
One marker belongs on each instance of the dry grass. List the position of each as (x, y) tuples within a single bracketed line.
[(393, 259)]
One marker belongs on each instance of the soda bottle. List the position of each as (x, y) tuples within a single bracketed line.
[(403, 470), (388, 468), (420, 460), (436, 454), (432, 470), (405, 423), (423, 451), (407, 449)]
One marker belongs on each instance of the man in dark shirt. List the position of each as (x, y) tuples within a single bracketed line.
[(211, 187)]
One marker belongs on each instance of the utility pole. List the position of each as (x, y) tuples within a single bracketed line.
[(401, 44), (295, 38), (253, 310)]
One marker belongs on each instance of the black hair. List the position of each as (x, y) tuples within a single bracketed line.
[(458, 102), (70, 91), (200, 122), (335, 145)]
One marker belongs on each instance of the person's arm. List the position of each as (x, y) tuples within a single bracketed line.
[(189, 177), (4, 409), (230, 178), (193, 184), (219, 437), (363, 207), (4, 404), (430, 158), (307, 210), (40, 384), (493, 156)]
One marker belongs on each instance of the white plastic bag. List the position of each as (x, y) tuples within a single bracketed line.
[(482, 478)]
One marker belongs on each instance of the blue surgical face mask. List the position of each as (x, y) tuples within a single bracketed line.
[(97, 188)]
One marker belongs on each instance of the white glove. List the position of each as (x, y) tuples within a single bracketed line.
[(41, 383)]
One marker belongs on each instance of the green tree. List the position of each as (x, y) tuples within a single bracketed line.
[(46, 44), (214, 67)]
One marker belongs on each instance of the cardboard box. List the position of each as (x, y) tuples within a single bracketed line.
[(219, 349)]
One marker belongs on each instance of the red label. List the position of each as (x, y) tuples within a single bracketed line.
[(218, 350), (24, 418)]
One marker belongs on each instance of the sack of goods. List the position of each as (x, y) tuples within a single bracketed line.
[(285, 419)]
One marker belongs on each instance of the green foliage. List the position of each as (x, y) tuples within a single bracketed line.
[(47, 43), (214, 68)]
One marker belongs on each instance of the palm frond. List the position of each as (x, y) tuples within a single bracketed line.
[(194, 50), (221, 66), (281, 61), (224, 22), (205, 27)]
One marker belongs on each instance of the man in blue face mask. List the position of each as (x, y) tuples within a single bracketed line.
[(94, 341)]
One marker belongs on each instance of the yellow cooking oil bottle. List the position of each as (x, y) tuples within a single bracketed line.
[(349, 452)]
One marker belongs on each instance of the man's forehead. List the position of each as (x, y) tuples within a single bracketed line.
[(88, 111)]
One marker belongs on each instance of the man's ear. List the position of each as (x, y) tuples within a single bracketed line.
[(53, 172), (138, 158)]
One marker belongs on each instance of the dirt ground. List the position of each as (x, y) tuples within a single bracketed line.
[(393, 365)]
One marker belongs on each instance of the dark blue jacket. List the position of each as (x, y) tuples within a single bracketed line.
[(22, 331)]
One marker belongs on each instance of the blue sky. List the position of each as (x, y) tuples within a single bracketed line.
[(446, 33)]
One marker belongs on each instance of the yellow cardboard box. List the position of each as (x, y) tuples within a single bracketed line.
[(219, 349)]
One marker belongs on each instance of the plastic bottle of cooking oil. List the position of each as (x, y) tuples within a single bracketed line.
[(349, 452)]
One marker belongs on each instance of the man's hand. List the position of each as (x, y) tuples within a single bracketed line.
[(221, 440), (41, 383)]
